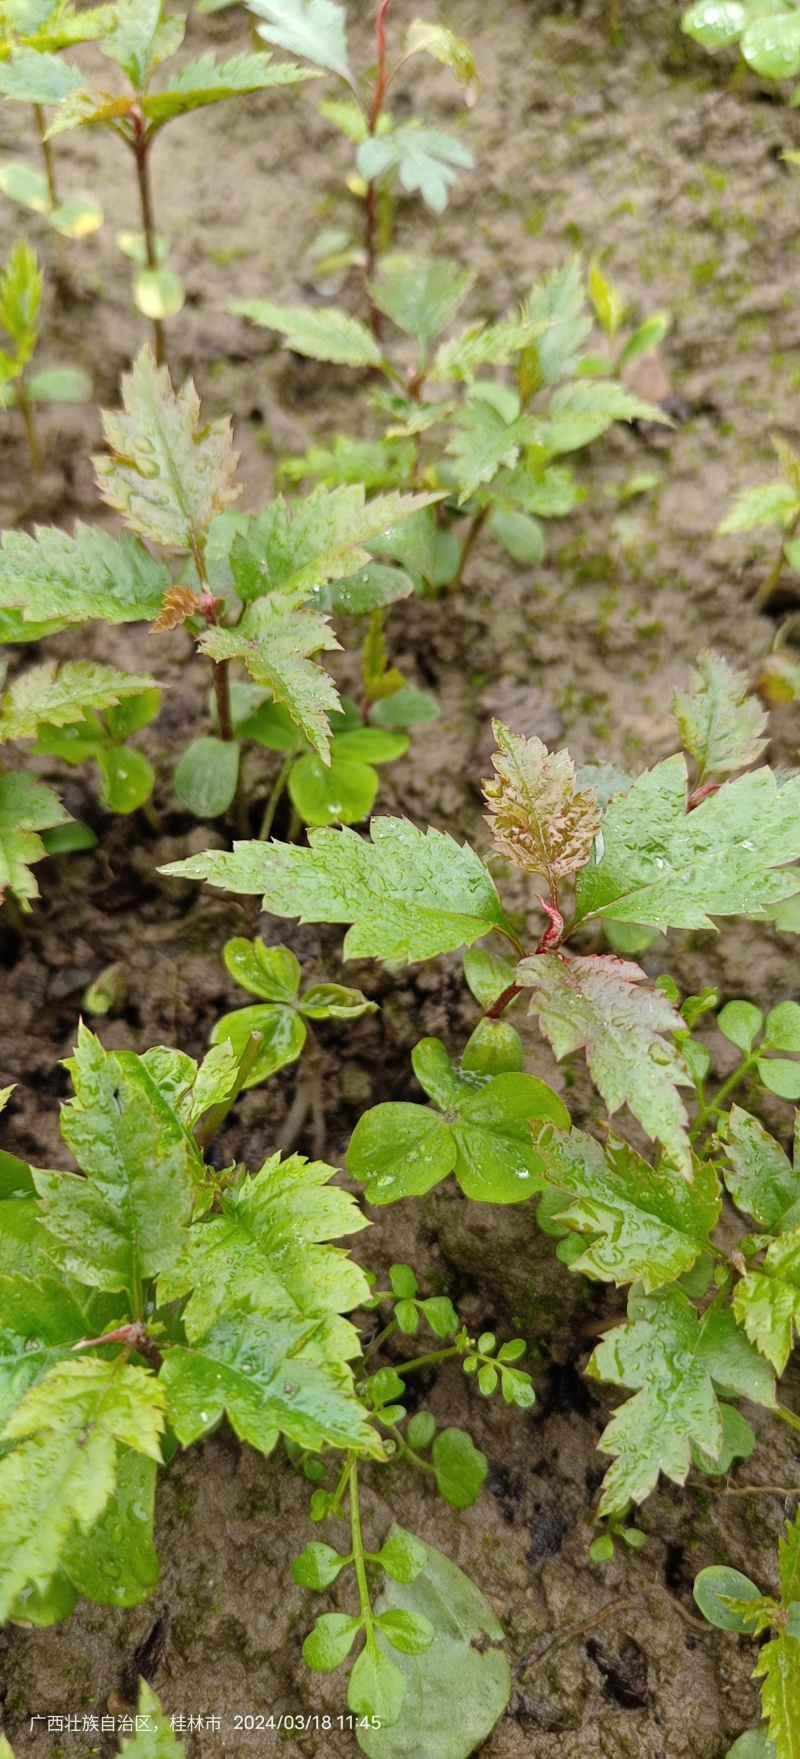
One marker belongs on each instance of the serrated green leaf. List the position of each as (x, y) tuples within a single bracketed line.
[(772, 503), (719, 724), (738, 1443), (168, 475), (41, 1320), (425, 159), (29, 76), (668, 868), (579, 413), (484, 441), (482, 345), (272, 1376), (537, 818), (125, 1220), (779, 1666), (458, 1668), (205, 81), (760, 1177), (675, 1360), (767, 1300), (325, 334), (315, 29), (318, 540), (559, 301), (642, 1224), (269, 1251), (26, 807), (154, 1738), (408, 894), (62, 694), (88, 575), (420, 296), (138, 37), (116, 1564), (61, 1466), (275, 638), (595, 1003)]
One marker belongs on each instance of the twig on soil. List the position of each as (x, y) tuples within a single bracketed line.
[(758, 1490), (573, 1631)]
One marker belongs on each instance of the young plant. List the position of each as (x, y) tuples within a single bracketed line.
[(420, 158), (732, 1602), (451, 418), (248, 589), (775, 504), (31, 73), (138, 36), (707, 1324), (20, 310), (766, 32), (150, 1290)]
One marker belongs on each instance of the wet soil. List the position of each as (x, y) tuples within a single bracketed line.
[(643, 152)]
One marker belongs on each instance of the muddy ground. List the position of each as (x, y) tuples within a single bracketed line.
[(642, 151)]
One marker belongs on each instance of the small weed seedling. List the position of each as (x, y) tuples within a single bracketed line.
[(708, 1323), (775, 504), (32, 73), (259, 591), (150, 1290), (20, 308), (138, 36), (766, 32), (732, 1602), (493, 447)]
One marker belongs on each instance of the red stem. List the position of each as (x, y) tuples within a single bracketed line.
[(370, 213), (141, 145)]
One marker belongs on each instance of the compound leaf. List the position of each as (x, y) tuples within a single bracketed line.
[(272, 1376), (275, 638), (408, 894), (425, 159), (595, 1003), (168, 475), (326, 334), (671, 869), (205, 82), (537, 818), (61, 1464), (675, 1360), (641, 1224), (270, 1250), (62, 694), (26, 807), (124, 1221), (719, 724), (77, 578)]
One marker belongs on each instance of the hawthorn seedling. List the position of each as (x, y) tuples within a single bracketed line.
[(21, 286)]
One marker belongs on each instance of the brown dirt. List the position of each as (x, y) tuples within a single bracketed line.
[(642, 152)]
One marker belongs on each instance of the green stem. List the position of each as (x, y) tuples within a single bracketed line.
[(427, 1361), (277, 789), (407, 1451), (141, 145), (717, 1105), (359, 1556), (478, 522), (388, 1331), (31, 434), (787, 1416), (206, 1127), (768, 586)]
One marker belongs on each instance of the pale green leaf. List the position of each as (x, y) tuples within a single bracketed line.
[(439, 42), (767, 1300), (205, 82), (771, 46), (484, 441), (116, 1564), (772, 503), (559, 301), (408, 894), (62, 694), (317, 539), (715, 23), (269, 1251), (26, 807), (168, 474), (761, 1179), (315, 29), (61, 1464), (154, 1738), (207, 775), (579, 413), (88, 575), (669, 868), (778, 1666), (275, 639), (139, 36), (482, 345), (720, 726), (638, 1223), (537, 818), (31, 77), (675, 1360), (421, 296), (125, 1220), (325, 334), (425, 159), (158, 293), (40, 1320), (596, 1003)]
